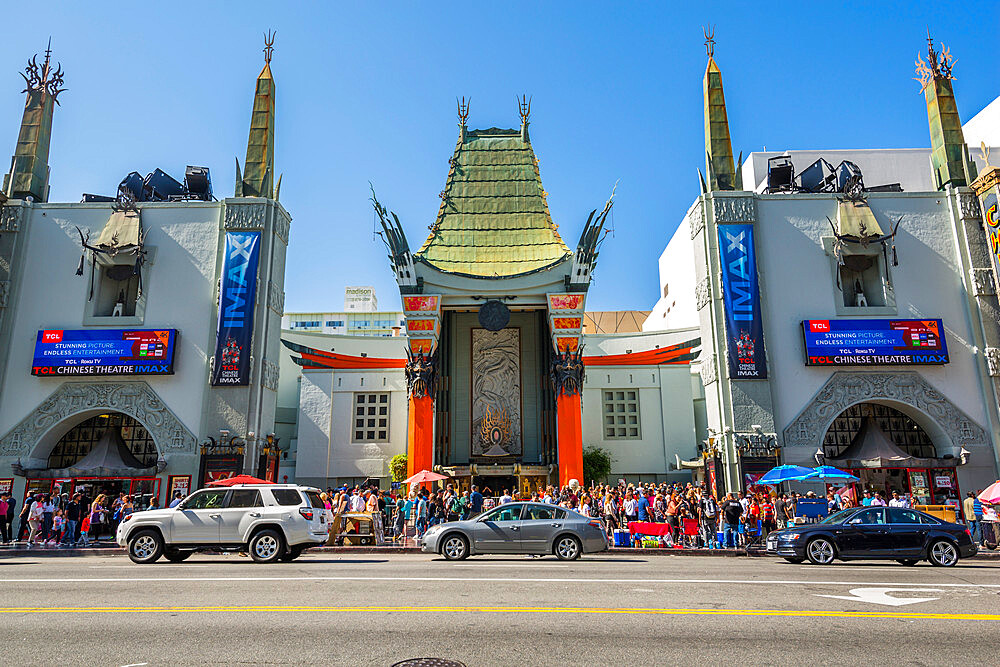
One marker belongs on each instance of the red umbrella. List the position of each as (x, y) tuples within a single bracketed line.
[(424, 476), (239, 479), (991, 494)]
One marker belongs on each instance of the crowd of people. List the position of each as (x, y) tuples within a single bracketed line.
[(62, 520)]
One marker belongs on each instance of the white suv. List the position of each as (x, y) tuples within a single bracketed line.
[(272, 522)]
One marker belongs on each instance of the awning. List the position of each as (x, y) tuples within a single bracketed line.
[(872, 448), (110, 457), (122, 231), (856, 222), (688, 465)]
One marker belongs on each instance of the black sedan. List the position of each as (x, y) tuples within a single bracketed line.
[(889, 533)]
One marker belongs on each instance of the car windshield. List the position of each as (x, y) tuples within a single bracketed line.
[(839, 517)]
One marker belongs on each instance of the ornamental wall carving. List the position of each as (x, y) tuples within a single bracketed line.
[(275, 298), (845, 389), (993, 361), (982, 282), (10, 218), (702, 293), (4, 292), (136, 399), (270, 379), (968, 206), (282, 223), (707, 370), (696, 220), (245, 216), (734, 209)]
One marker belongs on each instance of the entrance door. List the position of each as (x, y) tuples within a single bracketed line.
[(498, 531), (197, 519)]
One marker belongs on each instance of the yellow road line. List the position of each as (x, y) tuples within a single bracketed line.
[(804, 613)]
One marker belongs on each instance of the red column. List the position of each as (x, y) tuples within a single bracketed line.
[(569, 438), (420, 435)]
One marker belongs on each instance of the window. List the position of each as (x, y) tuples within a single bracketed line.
[(206, 500), (862, 278), (335, 323), (371, 417), (504, 513), (903, 431), (900, 515), (245, 498), (306, 324), (80, 439), (286, 497), (542, 513), (868, 517), (315, 500), (621, 414), (666, 289)]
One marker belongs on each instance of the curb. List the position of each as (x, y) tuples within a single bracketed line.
[(620, 551)]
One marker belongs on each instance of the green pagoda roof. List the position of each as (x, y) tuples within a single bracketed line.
[(494, 221)]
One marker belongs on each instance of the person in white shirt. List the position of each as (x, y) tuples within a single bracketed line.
[(357, 502), (506, 497), (896, 501)]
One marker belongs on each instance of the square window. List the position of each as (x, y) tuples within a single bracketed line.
[(371, 423), (621, 415), (361, 398), (359, 435), (373, 412), (371, 435), (360, 411), (384, 398), (359, 423), (383, 411), (381, 435), (382, 423)]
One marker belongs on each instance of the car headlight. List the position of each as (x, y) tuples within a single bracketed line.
[(793, 536)]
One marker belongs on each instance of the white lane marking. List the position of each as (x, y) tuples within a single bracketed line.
[(540, 565), (881, 596), (119, 567), (541, 580)]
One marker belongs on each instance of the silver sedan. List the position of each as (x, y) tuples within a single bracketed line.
[(518, 528)]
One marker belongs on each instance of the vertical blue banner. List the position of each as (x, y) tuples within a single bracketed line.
[(237, 292), (741, 297)]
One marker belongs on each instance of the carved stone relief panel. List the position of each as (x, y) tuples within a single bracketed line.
[(734, 209), (696, 220), (282, 223), (982, 282), (845, 389), (968, 205), (496, 392), (10, 218), (270, 379), (275, 298), (702, 293), (245, 216), (136, 399), (4, 293), (707, 370), (993, 361)]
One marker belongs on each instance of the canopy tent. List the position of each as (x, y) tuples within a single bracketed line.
[(424, 476), (110, 457), (872, 448), (991, 494), (831, 473)]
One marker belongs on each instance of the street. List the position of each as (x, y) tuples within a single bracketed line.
[(374, 609)]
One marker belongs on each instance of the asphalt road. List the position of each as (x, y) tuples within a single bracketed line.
[(601, 610)]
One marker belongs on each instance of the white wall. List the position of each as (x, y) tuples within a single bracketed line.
[(676, 309), (179, 285)]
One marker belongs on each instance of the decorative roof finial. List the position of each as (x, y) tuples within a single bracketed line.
[(463, 109), (269, 45), (524, 108), (709, 33), (938, 66), (44, 78)]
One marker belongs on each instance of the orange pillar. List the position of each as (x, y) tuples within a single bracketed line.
[(420, 435), (569, 438)]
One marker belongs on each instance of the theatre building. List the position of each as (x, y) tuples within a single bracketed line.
[(119, 373), (495, 383), (847, 308)]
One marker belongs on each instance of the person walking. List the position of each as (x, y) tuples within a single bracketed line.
[(9, 505), (23, 521), (36, 518), (72, 519), (475, 501), (973, 509), (708, 512)]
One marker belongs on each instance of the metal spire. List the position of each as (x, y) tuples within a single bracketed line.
[(269, 45)]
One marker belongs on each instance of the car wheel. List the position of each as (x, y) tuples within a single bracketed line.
[(266, 546), (292, 554), (146, 546), (820, 551), (455, 547), (907, 561), (943, 554), (176, 556), (568, 548), (790, 559)]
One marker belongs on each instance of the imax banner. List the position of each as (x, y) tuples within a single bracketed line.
[(741, 297), (237, 290)]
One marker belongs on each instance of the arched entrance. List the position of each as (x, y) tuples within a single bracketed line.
[(106, 452), (890, 452)]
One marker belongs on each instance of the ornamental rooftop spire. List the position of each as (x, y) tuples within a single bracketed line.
[(29, 169), (718, 148), (259, 165), (493, 221), (949, 155)]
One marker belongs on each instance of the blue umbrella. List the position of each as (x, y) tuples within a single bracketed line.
[(831, 473), (785, 473)]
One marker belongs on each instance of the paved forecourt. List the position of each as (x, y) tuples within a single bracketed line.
[(375, 609)]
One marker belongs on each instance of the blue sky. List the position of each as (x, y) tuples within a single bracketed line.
[(366, 92)]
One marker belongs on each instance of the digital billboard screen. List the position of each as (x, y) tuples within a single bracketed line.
[(63, 352), (874, 342)]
